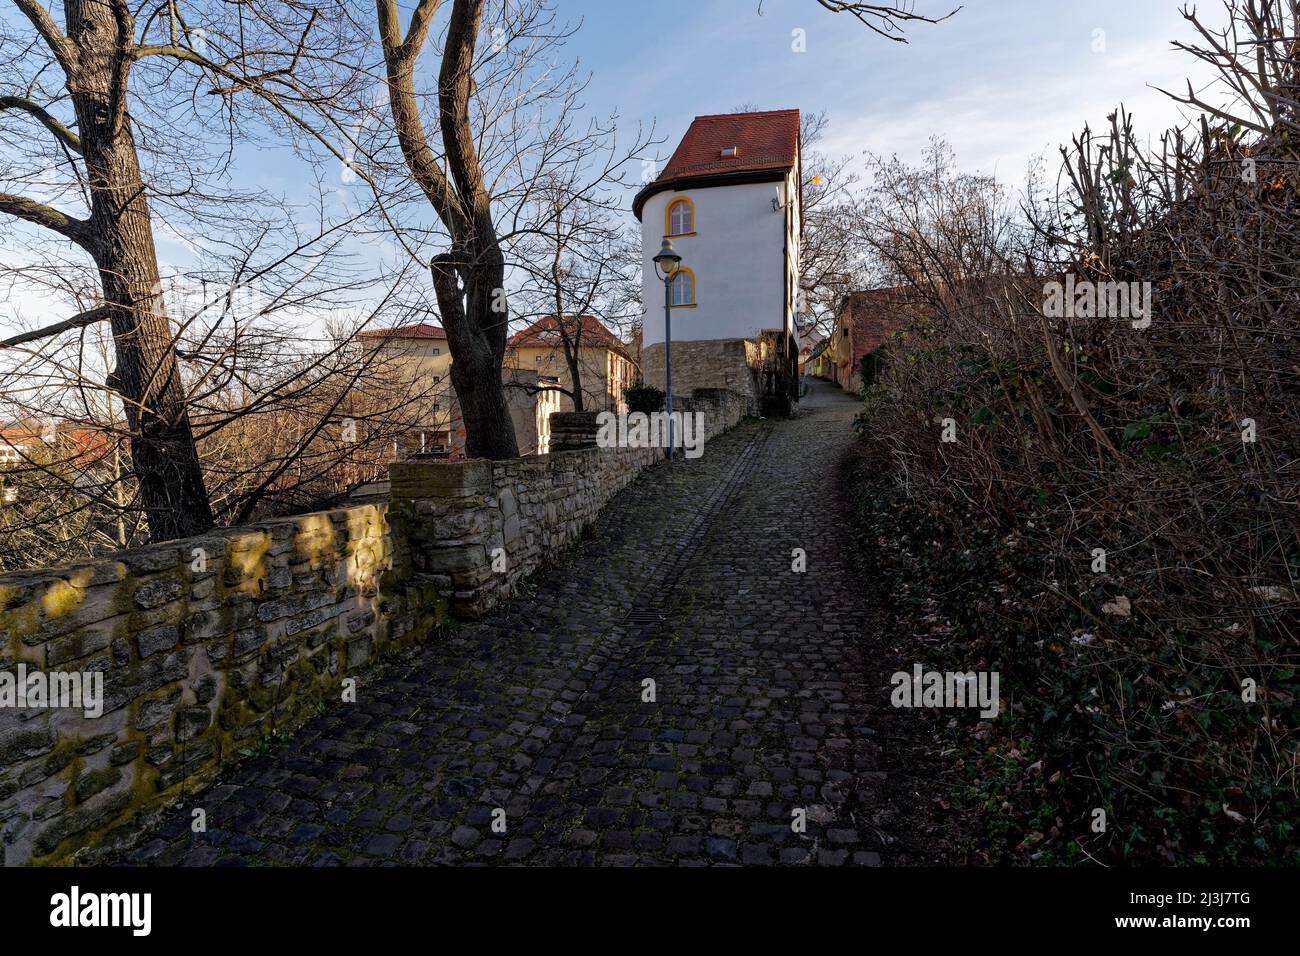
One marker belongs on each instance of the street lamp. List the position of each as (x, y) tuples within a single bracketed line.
[(668, 262)]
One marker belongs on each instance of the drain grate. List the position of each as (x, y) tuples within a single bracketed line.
[(640, 618)]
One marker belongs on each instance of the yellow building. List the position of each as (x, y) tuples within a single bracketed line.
[(605, 366), (420, 359)]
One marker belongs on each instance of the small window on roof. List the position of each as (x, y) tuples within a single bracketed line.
[(730, 152)]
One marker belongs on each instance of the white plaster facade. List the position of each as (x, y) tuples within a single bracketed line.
[(743, 253)]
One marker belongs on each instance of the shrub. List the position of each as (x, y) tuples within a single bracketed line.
[(1163, 687), (644, 398)]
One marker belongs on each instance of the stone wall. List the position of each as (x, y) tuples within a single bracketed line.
[(711, 364), (722, 408), (207, 646), (210, 646), (474, 528)]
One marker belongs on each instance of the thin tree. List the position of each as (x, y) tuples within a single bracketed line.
[(95, 56)]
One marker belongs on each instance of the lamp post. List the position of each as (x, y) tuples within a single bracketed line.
[(666, 263)]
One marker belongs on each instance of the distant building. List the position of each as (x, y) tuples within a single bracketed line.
[(811, 347), (419, 354), (417, 360), (33, 453), (17, 448), (730, 201), (605, 365), (864, 321)]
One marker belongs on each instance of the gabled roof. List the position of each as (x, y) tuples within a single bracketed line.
[(816, 348), (761, 141), (545, 334), (757, 145), (421, 330)]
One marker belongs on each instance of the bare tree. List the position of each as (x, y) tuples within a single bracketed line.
[(235, 374), (508, 131), (579, 258), (129, 101), (95, 57), (469, 278), (831, 263)]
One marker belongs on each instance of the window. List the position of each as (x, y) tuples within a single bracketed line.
[(683, 288), (437, 351), (679, 218)]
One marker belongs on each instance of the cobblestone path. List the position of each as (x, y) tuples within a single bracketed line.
[(759, 708)]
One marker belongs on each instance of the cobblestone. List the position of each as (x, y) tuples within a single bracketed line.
[(542, 708)]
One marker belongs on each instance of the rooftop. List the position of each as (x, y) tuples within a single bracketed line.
[(420, 330), (545, 334), (730, 144)]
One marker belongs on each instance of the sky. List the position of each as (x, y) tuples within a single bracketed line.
[(1003, 80)]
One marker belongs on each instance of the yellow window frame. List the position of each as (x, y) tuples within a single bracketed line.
[(673, 275), (668, 217)]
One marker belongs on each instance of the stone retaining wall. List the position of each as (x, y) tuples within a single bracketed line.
[(708, 364), (206, 646), (474, 528), (210, 646)]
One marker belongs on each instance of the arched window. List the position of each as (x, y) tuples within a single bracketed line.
[(679, 218), (683, 288)]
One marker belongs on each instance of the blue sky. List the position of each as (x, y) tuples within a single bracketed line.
[(1002, 81)]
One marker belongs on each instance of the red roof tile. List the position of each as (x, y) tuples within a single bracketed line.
[(421, 330), (767, 140), (545, 334)]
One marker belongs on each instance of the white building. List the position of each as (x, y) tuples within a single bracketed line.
[(729, 200)]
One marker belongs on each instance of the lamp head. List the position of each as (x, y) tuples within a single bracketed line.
[(667, 260)]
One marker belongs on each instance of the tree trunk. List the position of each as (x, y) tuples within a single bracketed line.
[(474, 317), (575, 376), (477, 337), (163, 453)]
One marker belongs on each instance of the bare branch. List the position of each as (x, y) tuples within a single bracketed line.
[(64, 135), (62, 48), (78, 321), (32, 211)]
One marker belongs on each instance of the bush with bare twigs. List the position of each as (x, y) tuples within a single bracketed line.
[(1115, 527)]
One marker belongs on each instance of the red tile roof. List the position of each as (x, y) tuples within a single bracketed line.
[(545, 334), (421, 330), (764, 142)]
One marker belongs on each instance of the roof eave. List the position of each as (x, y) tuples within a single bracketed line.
[(705, 180)]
